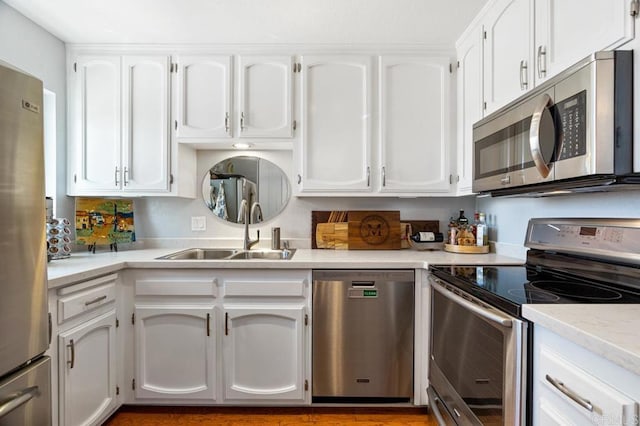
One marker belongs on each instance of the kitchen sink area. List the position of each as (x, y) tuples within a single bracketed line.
[(229, 254)]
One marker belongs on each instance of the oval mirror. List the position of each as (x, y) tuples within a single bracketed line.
[(245, 187)]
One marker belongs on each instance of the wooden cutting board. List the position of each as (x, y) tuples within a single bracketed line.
[(374, 230), (332, 235)]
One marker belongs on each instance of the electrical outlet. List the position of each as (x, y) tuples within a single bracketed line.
[(198, 223)]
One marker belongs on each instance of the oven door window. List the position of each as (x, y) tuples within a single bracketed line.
[(471, 354)]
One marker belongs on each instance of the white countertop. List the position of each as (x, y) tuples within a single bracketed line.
[(82, 266), (611, 331)]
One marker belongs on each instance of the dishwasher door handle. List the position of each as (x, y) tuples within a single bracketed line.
[(363, 284)]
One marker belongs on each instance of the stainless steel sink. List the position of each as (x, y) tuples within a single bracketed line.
[(201, 254), (284, 254), (229, 254)]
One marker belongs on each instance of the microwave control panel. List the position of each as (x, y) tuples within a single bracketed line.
[(572, 113)]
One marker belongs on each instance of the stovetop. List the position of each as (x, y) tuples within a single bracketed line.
[(509, 287)]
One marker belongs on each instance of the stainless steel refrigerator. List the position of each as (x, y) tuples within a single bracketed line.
[(25, 373)]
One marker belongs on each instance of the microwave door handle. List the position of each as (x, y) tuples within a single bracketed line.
[(534, 136), (486, 314)]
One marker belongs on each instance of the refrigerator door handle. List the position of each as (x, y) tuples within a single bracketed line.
[(17, 399)]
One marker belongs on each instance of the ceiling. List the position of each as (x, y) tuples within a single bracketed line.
[(431, 22)]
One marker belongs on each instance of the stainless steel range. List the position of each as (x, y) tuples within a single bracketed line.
[(480, 357)]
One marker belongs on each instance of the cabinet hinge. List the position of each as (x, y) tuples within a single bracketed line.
[(306, 319), (133, 318), (306, 385), (133, 384), (295, 124), (117, 390), (171, 179), (117, 323), (634, 8)]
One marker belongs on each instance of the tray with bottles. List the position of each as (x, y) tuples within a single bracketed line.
[(466, 237)]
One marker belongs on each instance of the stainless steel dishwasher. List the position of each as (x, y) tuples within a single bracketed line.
[(363, 335)]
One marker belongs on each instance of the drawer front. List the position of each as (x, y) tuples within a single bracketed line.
[(252, 288), (177, 287), (87, 299), (591, 398)]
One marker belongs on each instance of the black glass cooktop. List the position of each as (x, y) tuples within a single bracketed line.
[(509, 287)]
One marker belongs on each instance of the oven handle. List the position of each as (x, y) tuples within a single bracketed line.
[(534, 136), (479, 310), (434, 406)]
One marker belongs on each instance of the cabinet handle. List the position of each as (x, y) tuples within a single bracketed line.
[(126, 176), (226, 122), (96, 300), (116, 177), (542, 64), (208, 325), (226, 323), (368, 176), (584, 403), (72, 361), (299, 179), (523, 75), (242, 121), (384, 176)]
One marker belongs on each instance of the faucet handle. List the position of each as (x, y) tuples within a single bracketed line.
[(285, 244)]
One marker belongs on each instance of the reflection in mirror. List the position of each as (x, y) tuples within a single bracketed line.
[(262, 184)]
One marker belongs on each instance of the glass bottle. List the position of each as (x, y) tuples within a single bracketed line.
[(482, 237)]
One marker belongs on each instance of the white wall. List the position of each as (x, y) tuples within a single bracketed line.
[(158, 217), (29, 47)]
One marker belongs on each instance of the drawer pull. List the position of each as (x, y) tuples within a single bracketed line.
[(226, 323), (584, 403), (96, 300), (208, 325)]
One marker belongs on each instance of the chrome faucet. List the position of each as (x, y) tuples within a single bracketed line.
[(245, 214)]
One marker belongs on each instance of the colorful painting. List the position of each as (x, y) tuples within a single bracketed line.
[(101, 221)]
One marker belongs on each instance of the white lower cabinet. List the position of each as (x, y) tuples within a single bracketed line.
[(87, 371), (572, 386), (263, 351), (209, 337), (85, 353), (174, 338)]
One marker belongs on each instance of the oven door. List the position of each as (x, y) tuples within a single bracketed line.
[(476, 373), (518, 146)]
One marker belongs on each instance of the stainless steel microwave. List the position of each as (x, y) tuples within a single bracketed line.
[(573, 132)]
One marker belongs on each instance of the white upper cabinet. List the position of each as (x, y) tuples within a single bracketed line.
[(414, 114), (508, 65), (119, 121), (469, 105), (145, 129), (336, 108), (203, 97), (569, 30), (266, 96), (94, 124)]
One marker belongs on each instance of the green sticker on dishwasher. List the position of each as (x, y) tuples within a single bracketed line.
[(370, 293)]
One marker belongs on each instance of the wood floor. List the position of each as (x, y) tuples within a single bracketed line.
[(237, 416)]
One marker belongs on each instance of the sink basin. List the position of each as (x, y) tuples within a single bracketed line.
[(284, 254), (200, 254), (229, 254)]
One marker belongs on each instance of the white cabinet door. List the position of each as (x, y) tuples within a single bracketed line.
[(87, 371), (336, 141), (508, 71), (263, 353), (204, 97), (94, 125), (145, 130), (569, 30), (469, 106), (414, 124), (266, 95), (175, 352)]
